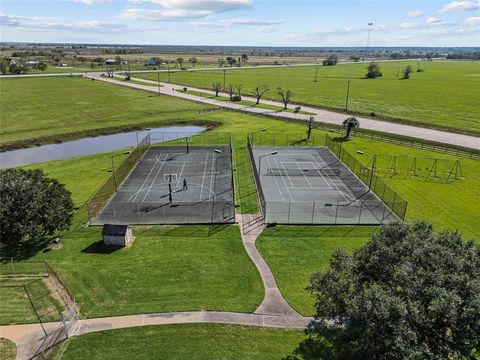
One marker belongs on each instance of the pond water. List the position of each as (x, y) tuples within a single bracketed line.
[(87, 146)]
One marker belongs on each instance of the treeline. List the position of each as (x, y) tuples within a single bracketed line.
[(475, 55)]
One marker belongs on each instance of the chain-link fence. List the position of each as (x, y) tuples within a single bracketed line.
[(384, 192), (98, 200)]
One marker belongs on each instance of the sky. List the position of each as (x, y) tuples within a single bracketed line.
[(243, 22)]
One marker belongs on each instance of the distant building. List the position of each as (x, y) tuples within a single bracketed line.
[(117, 235), (151, 62), (32, 63), (110, 62)]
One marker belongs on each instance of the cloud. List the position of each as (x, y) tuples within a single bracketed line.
[(54, 24), (91, 2), (162, 15), (433, 20), (174, 10), (460, 5), (415, 13), (236, 22), (267, 30), (472, 21)]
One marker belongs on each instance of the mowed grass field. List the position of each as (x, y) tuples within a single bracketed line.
[(17, 297), (444, 95), (193, 341), (55, 109)]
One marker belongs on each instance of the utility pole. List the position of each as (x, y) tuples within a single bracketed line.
[(224, 74), (316, 74), (368, 37), (158, 82), (348, 92)]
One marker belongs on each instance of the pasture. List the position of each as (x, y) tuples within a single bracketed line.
[(195, 341), (45, 110), (443, 96)]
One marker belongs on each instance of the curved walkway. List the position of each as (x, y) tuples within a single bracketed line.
[(324, 116), (29, 337)]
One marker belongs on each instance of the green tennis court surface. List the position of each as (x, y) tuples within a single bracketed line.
[(154, 191), (309, 185)]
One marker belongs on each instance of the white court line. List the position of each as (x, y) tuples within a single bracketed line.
[(153, 181), (283, 167), (325, 179), (283, 178), (141, 187), (203, 178), (340, 191), (344, 186), (276, 183), (212, 175), (181, 173), (309, 183)]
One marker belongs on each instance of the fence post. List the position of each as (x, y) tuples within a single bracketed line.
[(313, 211), (289, 204), (13, 267), (360, 215), (336, 213)]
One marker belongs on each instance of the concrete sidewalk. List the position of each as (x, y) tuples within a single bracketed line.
[(324, 116)]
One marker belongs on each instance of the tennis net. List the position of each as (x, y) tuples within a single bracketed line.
[(321, 172)]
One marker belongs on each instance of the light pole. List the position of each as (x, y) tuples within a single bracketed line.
[(158, 82), (136, 135), (113, 167), (262, 156), (348, 93)]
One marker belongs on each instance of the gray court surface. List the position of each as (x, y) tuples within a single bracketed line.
[(309, 185), (143, 198)]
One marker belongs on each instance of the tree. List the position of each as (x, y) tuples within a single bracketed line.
[(286, 96), (406, 72), (409, 293), (310, 121), (180, 61), (231, 61), (230, 91), (373, 71), (217, 87), (118, 60), (259, 91), (244, 58), (32, 207), (193, 60), (349, 124), (4, 64), (221, 62), (331, 60)]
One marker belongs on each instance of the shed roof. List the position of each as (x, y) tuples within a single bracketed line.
[(114, 230)]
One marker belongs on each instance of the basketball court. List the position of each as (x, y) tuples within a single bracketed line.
[(175, 185)]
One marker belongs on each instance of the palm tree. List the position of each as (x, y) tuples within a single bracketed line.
[(349, 124)]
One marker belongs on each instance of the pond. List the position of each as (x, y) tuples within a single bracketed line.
[(87, 146)]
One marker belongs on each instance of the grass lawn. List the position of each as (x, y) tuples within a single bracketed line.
[(441, 96), (244, 102), (55, 109), (15, 306), (192, 341), (295, 252), (8, 349)]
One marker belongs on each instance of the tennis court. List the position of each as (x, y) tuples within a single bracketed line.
[(310, 185), (169, 185)]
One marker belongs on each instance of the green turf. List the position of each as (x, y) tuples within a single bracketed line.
[(193, 341), (295, 252), (46, 107), (8, 349), (16, 308), (444, 95)]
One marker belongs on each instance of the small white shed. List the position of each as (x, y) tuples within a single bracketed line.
[(117, 235)]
